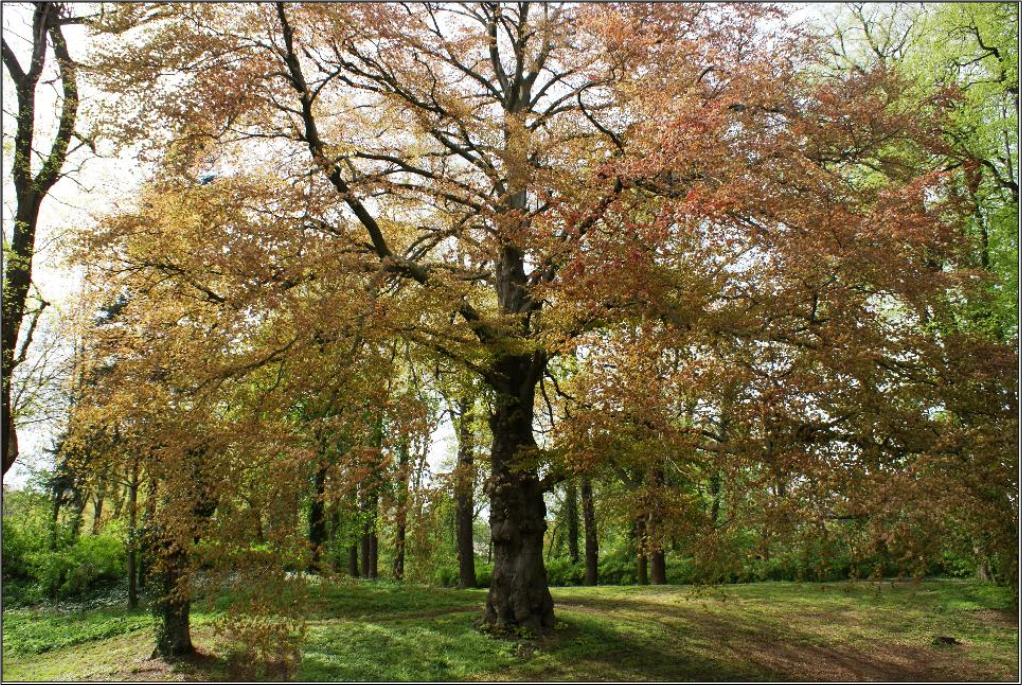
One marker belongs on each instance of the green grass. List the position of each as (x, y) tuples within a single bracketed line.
[(390, 632)]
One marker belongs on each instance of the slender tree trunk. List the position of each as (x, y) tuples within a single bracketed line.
[(99, 497), (57, 501), (984, 571), (317, 519), (640, 538), (589, 532), (364, 550), (353, 561), (29, 191), (519, 595), (133, 537), (716, 497), (572, 521), (373, 554), (464, 498), (145, 538), (652, 530), (398, 568)]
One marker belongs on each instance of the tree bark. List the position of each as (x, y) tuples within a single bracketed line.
[(464, 498), (589, 533), (99, 496), (572, 521), (519, 596), (640, 538), (658, 567), (398, 568), (652, 533), (353, 561), (373, 554), (133, 537), (172, 608), (29, 192), (364, 550), (317, 518), (716, 497)]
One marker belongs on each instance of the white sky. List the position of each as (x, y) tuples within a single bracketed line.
[(96, 188)]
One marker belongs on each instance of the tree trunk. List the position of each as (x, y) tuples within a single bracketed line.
[(652, 530), (373, 554), (173, 634), (640, 538), (364, 549), (145, 539), (133, 537), (353, 561), (398, 568), (984, 571), (519, 596), (317, 519), (29, 191), (658, 567), (99, 496), (716, 497), (589, 532), (464, 498), (572, 520)]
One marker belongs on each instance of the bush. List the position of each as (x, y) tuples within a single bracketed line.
[(445, 575), (80, 568), (484, 571), (617, 568), (564, 573)]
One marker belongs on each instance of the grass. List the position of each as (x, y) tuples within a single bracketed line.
[(387, 632)]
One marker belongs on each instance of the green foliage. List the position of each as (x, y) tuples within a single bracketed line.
[(483, 574), (80, 568), (562, 572), (26, 532)]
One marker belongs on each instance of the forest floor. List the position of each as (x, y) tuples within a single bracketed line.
[(847, 631)]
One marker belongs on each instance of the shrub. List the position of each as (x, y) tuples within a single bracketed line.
[(617, 568), (445, 575), (564, 573), (484, 571), (80, 568)]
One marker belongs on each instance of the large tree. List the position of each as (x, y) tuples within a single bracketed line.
[(34, 174), (517, 175)]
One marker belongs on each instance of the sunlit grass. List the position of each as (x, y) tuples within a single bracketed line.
[(391, 632)]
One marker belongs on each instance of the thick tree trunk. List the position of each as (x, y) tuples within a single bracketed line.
[(572, 521), (519, 596), (589, 533), (173, 634), (464, 498), (317, 519), (658, 567)]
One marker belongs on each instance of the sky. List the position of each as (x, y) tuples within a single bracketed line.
[(98, 185)]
